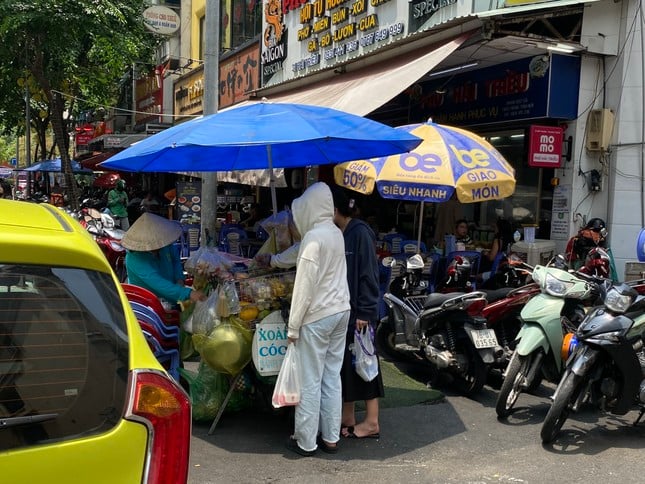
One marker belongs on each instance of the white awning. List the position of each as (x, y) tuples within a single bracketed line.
[(530, 7), (364, 90)]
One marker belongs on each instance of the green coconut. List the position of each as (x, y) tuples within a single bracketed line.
[(227, 349)]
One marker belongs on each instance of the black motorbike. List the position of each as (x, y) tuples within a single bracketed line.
[(607, 364), (441, 329)]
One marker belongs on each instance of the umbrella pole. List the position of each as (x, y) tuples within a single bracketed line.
[(274, 200), (420, 228)]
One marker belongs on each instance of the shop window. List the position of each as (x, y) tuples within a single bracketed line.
[(241, 22), (532, 198)]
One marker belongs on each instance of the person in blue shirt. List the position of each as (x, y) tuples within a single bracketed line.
[(152, 261)]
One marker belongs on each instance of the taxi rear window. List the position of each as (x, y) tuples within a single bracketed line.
[(63, 354)]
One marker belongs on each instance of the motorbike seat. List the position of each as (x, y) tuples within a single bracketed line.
[(437, 298), (493, 295)]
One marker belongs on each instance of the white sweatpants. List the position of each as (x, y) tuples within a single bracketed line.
[(321, 346)]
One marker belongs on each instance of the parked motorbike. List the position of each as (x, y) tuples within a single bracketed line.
[(547, 317), (439, 329), (502, 314), (512, 271), (102, 228), (607, 363)]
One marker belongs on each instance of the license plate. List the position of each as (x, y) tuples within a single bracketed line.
[(483, 338)]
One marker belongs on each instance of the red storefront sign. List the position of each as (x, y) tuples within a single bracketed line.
[(545, 146)]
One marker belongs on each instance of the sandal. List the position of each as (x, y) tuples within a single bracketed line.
[(352, 435), (325, 447)]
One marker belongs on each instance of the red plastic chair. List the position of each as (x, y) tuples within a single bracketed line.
[(143, 296)]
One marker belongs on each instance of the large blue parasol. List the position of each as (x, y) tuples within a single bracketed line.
[(263, 135)]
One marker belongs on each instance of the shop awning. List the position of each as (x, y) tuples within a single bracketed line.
[(93, 161), (530, 7), (364, 90)]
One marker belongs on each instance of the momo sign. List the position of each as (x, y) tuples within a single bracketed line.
[(545, 146)]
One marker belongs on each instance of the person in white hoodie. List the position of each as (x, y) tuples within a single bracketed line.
[(318, 321)]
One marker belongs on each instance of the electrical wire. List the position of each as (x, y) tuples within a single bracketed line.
[(122, 110)]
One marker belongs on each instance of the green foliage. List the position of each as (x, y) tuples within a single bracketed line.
[(7, 148), (80, 48)]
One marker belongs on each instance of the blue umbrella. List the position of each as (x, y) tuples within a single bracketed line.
[(55, 166), (263, 135)]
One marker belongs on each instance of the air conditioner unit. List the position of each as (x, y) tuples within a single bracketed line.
[(600, 124)]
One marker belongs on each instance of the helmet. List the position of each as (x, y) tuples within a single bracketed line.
[(595, 224), (597, 263)]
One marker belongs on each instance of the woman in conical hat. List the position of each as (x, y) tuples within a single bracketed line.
[(152, 260)]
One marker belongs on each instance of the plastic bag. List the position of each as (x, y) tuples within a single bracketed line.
[(204, 317), (287, 386), (207, 390), (282, 228), (365, 359)]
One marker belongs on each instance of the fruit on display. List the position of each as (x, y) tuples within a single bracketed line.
[(249, 313), (227, 349)]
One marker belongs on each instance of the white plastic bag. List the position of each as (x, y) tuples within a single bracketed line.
[(365, 359), (287, 386)]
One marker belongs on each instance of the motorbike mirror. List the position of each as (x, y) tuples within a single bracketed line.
[(388, 261)]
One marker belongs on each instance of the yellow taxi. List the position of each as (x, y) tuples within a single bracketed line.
[(82, 397)]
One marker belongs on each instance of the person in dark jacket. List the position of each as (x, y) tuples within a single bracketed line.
[(363, 280)]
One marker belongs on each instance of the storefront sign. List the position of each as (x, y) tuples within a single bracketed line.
[(269, 344), (149, 97), (161, 20), (304, 36), (238, 76), (189, 93), (422, 10), (538, 87), (545, 146)]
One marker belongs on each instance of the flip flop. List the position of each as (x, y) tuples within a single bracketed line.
[(352, 435)]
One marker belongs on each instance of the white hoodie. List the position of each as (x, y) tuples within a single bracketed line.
[(320, 289)]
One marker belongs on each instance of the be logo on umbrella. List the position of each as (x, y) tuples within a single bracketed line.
[(447, 160)]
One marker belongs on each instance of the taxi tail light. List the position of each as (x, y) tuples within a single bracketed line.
[(162, 405)]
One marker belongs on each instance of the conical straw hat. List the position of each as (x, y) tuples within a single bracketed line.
[(151, 232)]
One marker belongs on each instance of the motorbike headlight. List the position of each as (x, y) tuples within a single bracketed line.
[(556, 287), (617, 302)]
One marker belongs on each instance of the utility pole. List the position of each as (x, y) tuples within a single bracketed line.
[(27, 125), (211, 80)]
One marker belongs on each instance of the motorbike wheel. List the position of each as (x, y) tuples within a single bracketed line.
[(471, 381), (385, 341), (559, 411), (516, 372)]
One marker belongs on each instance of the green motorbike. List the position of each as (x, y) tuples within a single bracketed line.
[(547, 317)]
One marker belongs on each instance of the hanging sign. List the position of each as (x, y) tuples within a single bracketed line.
[(545, 146), (161, 20)]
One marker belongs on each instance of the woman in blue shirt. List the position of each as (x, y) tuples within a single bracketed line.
[(152, 261)]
